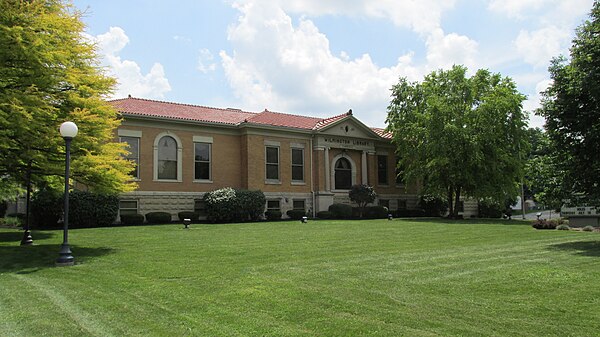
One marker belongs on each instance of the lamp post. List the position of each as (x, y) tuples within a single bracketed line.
[(68, 130)]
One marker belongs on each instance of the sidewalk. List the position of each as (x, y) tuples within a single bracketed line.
[(546, 214)]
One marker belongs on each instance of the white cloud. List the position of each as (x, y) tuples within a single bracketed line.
[(206, 62), (515, 8), (539, 46), (128, 73), (533, 102), (288, 67)]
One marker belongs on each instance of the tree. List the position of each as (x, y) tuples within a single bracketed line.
[(571, 106), (362, 195), (49, 74), (460, 135)]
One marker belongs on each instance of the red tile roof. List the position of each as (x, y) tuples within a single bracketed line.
[(382, 133), (287, 120), (153, 108)]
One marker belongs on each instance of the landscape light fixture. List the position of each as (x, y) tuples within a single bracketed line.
[(68, 130)]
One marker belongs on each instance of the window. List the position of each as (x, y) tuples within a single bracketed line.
[(200, 207), (273, 205), (202, 157), (343, 174), (382, 170), (297, 164), (272, 154), (167, 158), (384, 203), (127, 207), (134, 153), (299, 205)]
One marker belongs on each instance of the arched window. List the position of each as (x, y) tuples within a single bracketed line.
[(167, 158), (343, 174)]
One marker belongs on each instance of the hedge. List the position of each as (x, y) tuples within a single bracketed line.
[(88, 209), (227, 205), (132, 219), (296, 214), (376, 212), (433, 205), (340, 211), (47, 208), (193, 216), (273, 215), (324, 215), (158, 217)]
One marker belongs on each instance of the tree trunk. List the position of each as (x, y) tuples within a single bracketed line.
[(450, 195), (456, 202)]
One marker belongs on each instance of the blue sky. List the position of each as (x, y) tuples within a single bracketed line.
[(318, 57)]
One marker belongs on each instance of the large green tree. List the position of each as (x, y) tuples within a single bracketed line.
[(571, 106), (460, 135), (49, 73)]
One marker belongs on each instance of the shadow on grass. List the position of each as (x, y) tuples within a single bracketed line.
[(583, 248), (30, 259), (17, 235)]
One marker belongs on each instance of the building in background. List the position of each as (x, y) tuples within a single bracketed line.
[(299, 162)]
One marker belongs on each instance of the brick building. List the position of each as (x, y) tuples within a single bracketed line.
[(299, 162)]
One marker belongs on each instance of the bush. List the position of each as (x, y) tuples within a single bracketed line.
[(296, 214), (588, 229), (132, 219), (563, 227), (88, 209), (433, 206), (20, 216), (376, 212), (409, 213), (47, 208), (490, 209), (193, 216), (158, 217), (543, 224), (3, 207), (324, 215), (362, 195), (340, 211), (11, 221), (222, 205), (251, 204), (273, 215)]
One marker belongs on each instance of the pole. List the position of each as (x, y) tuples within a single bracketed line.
[(27, 240), (522, 200), (65, 258)]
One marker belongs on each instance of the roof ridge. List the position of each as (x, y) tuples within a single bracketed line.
[(182, 104), (287, 114)]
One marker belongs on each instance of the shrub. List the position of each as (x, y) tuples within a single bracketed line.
[(362, 195), (222, 205), (433, 205), (543, 224), (158, 217), (409, 213), (273, 215), (563, 227), (88, 209), (47, 207), (11, 221), (20, 216), (490, 209), (296, 214), (376, 212), (340, 211), (3, 207), (132, 219), (324, 215), (251, 204), (193, 216), (588, 229)]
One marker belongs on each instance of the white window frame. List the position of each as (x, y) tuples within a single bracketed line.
[(137, 159), (209, 141), (179, 158), (137, 206), (271, 208)]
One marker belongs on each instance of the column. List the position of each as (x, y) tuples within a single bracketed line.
[(327, 173), (364, 167)]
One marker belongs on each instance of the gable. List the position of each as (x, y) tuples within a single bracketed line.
[(349, 127)]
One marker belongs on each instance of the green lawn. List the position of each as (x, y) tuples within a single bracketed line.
[(324, 278)]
